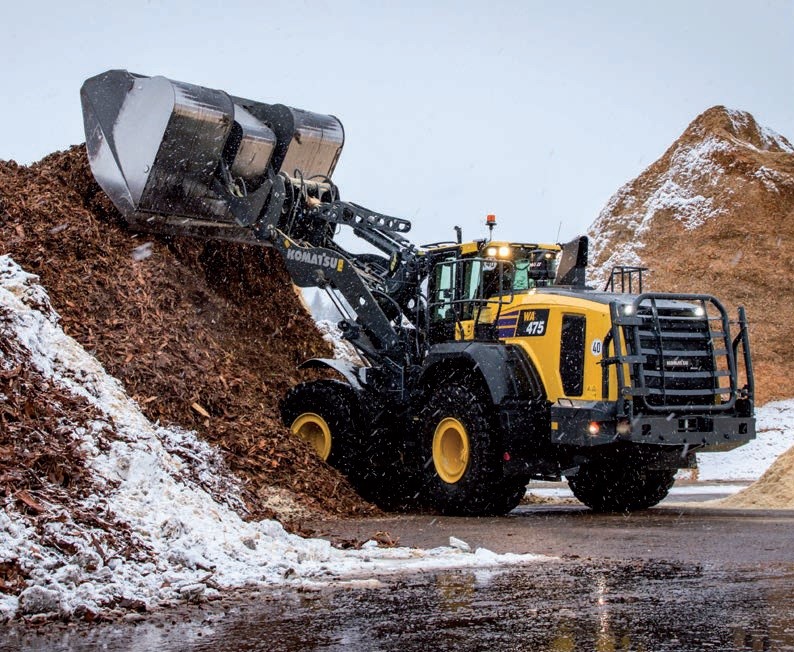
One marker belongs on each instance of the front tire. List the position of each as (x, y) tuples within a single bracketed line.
[(327, 414), (620, 484), (385, 476)]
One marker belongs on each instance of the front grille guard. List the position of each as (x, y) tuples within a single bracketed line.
[(643, 334)]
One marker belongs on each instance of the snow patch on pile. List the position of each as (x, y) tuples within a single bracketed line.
[(689, 168), (693, 183), (769, 137), (170, 489), (343, 350), (775, 428)]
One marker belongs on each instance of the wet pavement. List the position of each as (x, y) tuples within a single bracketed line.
[(673, 578), (560, 606)]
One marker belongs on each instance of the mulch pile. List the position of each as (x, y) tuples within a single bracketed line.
[(41, 468), (739, 178), (743, 253), (773, 490), (206, 335)]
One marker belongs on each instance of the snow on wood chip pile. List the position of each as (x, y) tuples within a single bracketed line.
[(715, 214), (202, 335)]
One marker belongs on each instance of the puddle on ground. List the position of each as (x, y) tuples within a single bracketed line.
[(559, 607)]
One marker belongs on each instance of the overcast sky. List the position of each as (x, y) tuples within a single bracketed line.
[(535, 111)]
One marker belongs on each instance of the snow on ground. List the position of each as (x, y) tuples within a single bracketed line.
[(701, 489), (188, 543), (775, 428)]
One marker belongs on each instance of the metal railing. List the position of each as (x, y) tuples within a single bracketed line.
[(626, 274), (674, 353)]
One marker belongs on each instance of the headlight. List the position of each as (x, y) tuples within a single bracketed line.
[(504, 252), (699, 312), (628, 309), (490, 252)]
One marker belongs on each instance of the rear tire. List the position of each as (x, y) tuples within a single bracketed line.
[(384, 474), (620, 484), (462, 470)]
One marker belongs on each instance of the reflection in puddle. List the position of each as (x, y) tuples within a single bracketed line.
[(559, 607)]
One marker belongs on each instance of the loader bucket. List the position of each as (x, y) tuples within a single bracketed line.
[(163, 147)]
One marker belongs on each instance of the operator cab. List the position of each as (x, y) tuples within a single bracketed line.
[(471, 282), (522, 268)]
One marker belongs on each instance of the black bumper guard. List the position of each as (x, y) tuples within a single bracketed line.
[(680, 358)]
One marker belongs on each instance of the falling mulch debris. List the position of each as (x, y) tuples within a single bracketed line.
[(205, 335)]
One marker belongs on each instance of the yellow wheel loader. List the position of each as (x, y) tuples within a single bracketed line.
[(483, 364)]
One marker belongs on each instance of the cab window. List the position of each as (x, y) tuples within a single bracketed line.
[(443, 291), (533, 268)]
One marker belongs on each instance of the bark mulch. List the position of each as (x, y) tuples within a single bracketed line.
[(206, 335)]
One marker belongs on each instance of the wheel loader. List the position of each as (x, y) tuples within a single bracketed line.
[(482, 364)]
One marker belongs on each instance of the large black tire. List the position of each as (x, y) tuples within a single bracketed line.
[(369, 457), (324, 413), (385, 475), (460, 444), (620, 484)]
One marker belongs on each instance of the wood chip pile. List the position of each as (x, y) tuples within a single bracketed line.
[(715, 215), (42, 469), (205, 335)]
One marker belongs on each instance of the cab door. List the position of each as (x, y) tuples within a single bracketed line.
[(460, 303), (442, 297)]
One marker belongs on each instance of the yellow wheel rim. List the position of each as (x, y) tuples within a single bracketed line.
[(451, 450), (312, 428)]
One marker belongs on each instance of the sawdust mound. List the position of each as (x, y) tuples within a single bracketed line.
[(203, 335), (715, 214), (774, 490)]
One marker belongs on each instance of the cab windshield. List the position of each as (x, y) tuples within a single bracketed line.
[(461, 287), (530, 268)]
